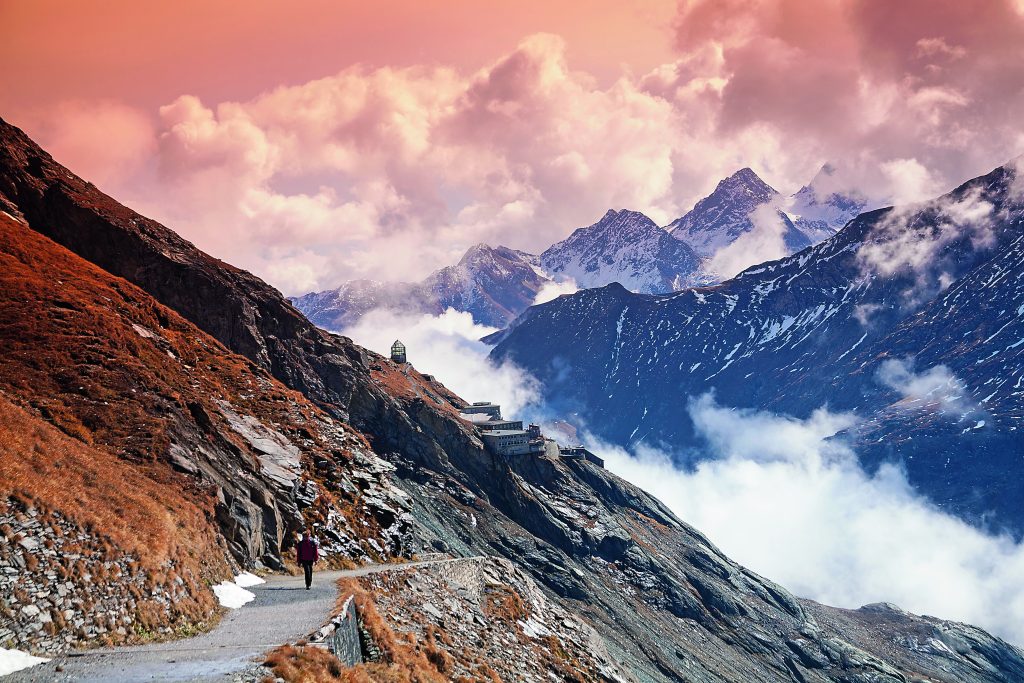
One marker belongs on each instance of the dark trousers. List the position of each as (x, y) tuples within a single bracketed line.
[(307, 569)]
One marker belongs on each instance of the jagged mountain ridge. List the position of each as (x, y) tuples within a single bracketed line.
[(722, 217), (494, 284), (497, 284), (625, 247), (670, 606), (814, 329)]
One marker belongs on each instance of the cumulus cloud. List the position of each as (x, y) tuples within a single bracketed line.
[(554, 289), (912, 240), (448, 346), (789, 500), (389, 173), (765, 242), (936, 386)]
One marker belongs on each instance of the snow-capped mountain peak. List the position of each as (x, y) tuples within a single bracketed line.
[(821, 209), (625, 247), (723, 216), (494, 284)]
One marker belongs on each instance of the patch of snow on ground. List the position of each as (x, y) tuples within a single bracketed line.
[(16, 660), (245, 579), (231, 595)]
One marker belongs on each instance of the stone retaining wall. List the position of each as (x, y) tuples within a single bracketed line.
[(63, 586), (344, 641)]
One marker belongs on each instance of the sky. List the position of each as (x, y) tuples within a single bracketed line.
[(326, 141)]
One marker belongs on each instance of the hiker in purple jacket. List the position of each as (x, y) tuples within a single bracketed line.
[(306, 553)]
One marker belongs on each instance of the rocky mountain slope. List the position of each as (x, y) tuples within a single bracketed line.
[(871, 321), (152, 457), (625, 247), (667, 604), (494, 284)]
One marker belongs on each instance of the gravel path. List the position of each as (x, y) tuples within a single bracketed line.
[(283, 612)]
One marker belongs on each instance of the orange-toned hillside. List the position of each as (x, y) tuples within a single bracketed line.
[(164, 446)]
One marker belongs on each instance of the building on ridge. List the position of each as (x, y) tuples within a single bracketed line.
[(580, 453), (398, 352), (491, 410)]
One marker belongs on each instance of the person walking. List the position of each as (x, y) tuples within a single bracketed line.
[(306, 553)]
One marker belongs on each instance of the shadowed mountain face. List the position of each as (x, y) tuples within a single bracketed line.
[(910, 317), (494, 284), (667, 603)]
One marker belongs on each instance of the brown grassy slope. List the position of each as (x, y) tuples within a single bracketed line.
[(108, 365), (143, 509)]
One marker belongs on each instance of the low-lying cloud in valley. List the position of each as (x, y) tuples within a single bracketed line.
[(783, 498), (449, 347), (936, 385)]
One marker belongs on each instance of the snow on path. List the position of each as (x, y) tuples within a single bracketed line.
[(16, 660), (282, 612)]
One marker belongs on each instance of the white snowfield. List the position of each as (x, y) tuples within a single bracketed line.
[(16, 660), (233, 594)]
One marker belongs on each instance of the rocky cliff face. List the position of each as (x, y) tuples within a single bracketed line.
[(668, 605)]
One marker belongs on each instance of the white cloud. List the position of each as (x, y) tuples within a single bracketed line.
[(448, 347), (552, 290), (911, 239), (782, 498), (764, 242), (936, 386)]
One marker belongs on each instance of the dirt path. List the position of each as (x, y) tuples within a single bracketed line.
[(282, 612)]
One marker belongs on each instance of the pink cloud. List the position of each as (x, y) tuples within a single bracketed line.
[(391, 172), (101, 140)]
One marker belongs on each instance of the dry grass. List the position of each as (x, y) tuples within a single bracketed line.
[(407, 384), (403, 659), (141, 515), (72, 357), (304, 664), (504, 604)]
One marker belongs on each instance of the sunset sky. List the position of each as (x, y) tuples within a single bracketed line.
[(316, 142)]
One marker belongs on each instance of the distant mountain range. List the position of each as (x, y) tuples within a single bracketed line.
[(911, 317), (496, 284)]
